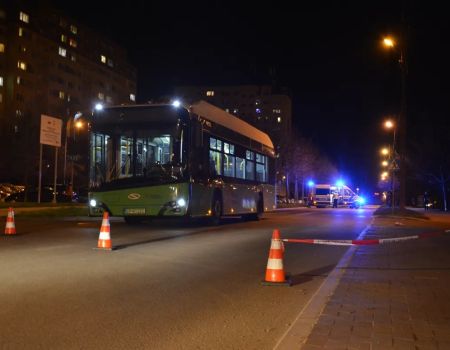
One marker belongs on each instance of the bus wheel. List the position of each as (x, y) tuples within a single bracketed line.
[(216, 210), (132, 220)]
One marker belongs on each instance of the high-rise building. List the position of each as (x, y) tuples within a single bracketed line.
[(259, 105), (52, 65)]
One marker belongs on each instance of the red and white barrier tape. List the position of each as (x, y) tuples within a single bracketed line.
[(363, 241)]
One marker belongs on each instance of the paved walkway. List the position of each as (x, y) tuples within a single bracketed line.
[(394, 296)]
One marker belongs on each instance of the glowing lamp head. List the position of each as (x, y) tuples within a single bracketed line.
[(389, 124), (176, 103), (98, 107), (388, 42)]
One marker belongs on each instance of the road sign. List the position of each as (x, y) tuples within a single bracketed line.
[(50, 131)]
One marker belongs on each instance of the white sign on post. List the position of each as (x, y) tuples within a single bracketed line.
[(50, 135), (50, 131)]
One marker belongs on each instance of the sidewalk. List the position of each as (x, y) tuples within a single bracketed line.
[(393, 296)]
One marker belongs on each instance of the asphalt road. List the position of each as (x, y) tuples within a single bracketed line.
[(166, 286)]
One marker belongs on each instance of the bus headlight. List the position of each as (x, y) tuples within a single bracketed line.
[(93, 203), (181, 202)]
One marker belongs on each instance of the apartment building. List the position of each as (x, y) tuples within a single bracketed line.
[(53, 65)]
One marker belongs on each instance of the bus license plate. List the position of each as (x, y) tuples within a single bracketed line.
[(134, 211)]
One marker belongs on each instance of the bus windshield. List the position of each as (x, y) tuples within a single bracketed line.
[(149, 152)]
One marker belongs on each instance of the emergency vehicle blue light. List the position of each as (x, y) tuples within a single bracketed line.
[(310, 183), (339, 183), (361, 200)]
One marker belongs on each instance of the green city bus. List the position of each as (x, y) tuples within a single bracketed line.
[(169, 160)]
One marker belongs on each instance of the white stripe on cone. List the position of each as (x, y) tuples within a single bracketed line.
[(276, 244), (275, 264), (104, 235)]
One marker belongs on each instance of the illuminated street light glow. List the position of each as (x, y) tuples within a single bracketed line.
[(385, 151), (79, 124), (176, 103), (384, 163), (98, 107), (388, 42), (389, 124)]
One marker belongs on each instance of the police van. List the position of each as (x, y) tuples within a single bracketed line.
[(323, 196)]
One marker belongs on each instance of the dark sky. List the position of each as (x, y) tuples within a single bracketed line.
[(328, 54)]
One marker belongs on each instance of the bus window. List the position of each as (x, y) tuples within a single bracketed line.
[(229, 160), (261, 168), (240, 168), (215, 160), (228, 165), (250, 165)]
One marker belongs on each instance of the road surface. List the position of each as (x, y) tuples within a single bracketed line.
[(167, 285)]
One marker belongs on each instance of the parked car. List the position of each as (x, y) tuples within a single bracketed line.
[(46, 195)]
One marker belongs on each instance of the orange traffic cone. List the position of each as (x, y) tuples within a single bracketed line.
[(10, 228), (104, 239), (275, 272)]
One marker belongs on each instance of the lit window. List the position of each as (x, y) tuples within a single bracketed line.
[(61, 95), (20, 31), (101, 95), (279, 119), (63, 38), (73, 58), (109, 99), (276, 111), (24, 17), (103, 58), (21, 65), (2, 47), (1, 81), (73, 29), (133, 97), (73, 43), (235, 111), (62, 51), (18, 80), (210, 93)]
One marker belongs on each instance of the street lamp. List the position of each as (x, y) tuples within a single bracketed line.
[(391, 125), (71, 125), (390, 43)]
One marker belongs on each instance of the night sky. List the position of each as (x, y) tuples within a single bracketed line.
[(329, 55)]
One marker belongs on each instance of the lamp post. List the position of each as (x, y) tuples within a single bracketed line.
[(389, 124), (390, 43), (71, 125)]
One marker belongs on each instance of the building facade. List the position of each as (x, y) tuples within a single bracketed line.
[(259, 105), (52, 65)]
